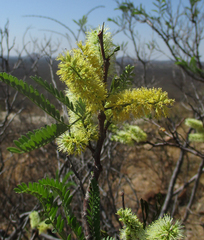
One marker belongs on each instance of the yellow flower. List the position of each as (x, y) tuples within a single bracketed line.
[(43, 227), (77, 140), (138, 103), (92, 38), (34, 219), (163, 228), (195, 123), (73, 143), (36, 223), (82, 72)]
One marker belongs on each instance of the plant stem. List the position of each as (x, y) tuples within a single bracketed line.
[(96, 153)]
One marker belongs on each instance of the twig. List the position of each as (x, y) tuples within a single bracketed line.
[(106, 60), (123, 201), (77, 175), (172, 183), (200, 170), (49, 237), (186, 184)]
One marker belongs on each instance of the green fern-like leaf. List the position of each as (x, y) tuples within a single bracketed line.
[(36, 190), (32, 94), (79, 108), (69, 237), (124, 81), (61, 188), (93, 215), (51, 89), (75, 226), (45, 191), (38, 138)]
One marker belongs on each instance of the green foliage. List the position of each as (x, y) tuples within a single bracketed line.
[(161, 6), (78, 108), (32, 94), (108, 238), (198, 126), (54, 91), (47, 191), (191, 66), (94, 210), (124, 81), (38, 138), (129, 135), (194, 10), (185, 53), (41, 137)]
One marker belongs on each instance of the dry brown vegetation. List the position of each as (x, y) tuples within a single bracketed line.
[(139, 171)]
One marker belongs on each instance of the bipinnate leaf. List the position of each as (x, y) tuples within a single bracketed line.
[(38, 138), (75, 226), (54, 91), (45, 191), (124, 81), (32, 94)]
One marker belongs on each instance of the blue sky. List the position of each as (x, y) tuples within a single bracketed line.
[(64, 11)]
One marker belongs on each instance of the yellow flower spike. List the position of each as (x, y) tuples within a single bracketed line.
[(81, 131), (77, 141), (72, 143), (138, 103), (82, 72), (92, 38)]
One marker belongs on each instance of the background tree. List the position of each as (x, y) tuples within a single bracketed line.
[(182, 32)]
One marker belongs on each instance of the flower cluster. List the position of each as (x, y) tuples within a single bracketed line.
[(82, 69), (198, 126), (129, 135), (82, 72), (34, 219), (75, 142), (35, 222), (92, 38), (139, 103), (82, 129), (163, 228), (133, 228)]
